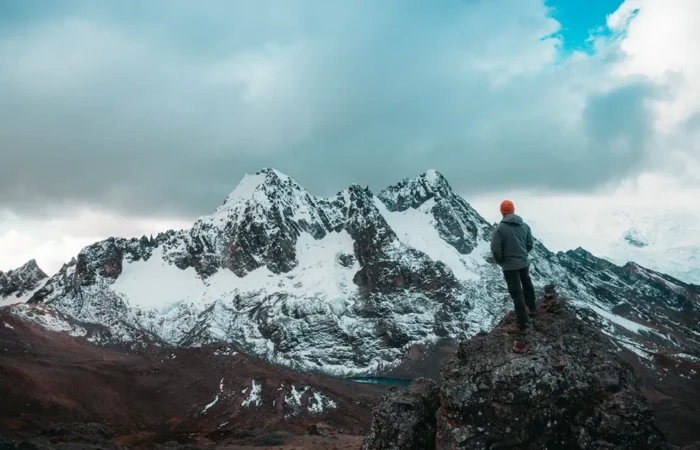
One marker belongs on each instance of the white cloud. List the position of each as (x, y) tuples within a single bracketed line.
[(659, 40), (139, 120), (53, 242), (658, 206), (316, 91), (566, 221), (662, 42)]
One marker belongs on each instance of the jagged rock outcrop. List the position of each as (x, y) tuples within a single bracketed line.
[(19, 284), (570, 390), (455, 220), (405, 420)]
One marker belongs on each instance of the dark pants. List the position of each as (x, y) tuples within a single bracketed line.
[(522, 291)]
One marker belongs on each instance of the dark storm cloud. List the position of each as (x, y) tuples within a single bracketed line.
[(102, 107)]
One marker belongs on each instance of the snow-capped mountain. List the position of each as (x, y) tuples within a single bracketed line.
[(345, 285), (18, 285), (671, 246), (664, 238)]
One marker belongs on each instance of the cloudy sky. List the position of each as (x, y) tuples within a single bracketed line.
[(125, 118)]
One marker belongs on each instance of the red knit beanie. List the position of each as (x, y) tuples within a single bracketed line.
[(507, 207)]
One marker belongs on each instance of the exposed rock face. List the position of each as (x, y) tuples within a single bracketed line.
[(405, 420), (455, 220), (570, 390), (636, 239), (19, 284), (650, 306)]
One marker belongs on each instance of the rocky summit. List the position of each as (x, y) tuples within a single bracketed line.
[(569, 390), (18, 286)]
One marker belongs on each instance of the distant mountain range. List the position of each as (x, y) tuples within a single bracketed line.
[(664, 239), (346, 285), (672, 247)]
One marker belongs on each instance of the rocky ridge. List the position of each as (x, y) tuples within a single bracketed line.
[(347, 285), (570, 390)]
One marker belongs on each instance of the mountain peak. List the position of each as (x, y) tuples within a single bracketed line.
[(28, 270), (413, 192), (30, 265), (16, 283), (274, 173), (434, 178), (259, 184)]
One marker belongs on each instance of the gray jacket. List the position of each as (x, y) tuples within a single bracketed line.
[(511, 242)]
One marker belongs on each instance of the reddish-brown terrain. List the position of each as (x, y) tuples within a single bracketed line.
[(672, 388), (157, 397), (160, 395)]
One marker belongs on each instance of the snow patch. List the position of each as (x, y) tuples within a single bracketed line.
[(244, 191), (281, 176), (621, 321), (225, 352), (416, 228), (48, 319), (318, 272), (7, 325), (160, 285), (321, 402), (635, 349), (317, 403), (255, 395), (687, 356), (13, 299), (216, 399), (431, 176)]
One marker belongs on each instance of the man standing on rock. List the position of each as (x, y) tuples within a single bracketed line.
[(510, 245)]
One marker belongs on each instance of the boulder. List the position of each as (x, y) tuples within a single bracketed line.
[(405, 420)]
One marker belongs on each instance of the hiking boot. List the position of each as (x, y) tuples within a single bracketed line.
[(520, 347)]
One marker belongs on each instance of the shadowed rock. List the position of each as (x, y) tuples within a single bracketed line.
[(66, 436), (406, 418)]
